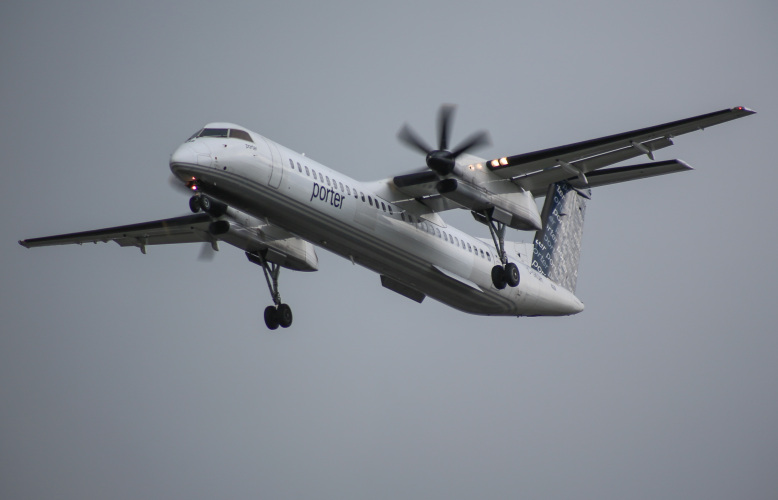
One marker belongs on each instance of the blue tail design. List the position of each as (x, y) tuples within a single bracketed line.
[(557, 247)]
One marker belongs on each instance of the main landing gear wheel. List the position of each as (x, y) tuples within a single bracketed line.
[(284, 313), (278, 316), (498, 277), (271, 317), (512, 275)]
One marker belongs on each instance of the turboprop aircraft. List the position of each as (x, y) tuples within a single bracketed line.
[(277, 205)]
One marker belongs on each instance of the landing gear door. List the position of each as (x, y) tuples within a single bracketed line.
[(276, 166)]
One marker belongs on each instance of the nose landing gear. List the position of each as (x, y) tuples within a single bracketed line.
[(279, 314), (210, 206)]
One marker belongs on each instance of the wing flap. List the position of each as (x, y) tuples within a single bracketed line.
[(630, 173)]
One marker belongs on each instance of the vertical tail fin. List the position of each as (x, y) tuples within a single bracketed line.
[(557, 247)]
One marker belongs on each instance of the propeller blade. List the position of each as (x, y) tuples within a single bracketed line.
[(412, 139), (445, 115), (477, 140)]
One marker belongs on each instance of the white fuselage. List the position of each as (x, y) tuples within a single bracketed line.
[(356, 221)]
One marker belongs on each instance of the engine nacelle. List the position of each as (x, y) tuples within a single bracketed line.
[(287, 250), (517, 210)]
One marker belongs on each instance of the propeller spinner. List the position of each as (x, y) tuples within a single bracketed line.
[(442, 160)]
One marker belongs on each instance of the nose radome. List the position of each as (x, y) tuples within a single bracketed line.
[(184, 155)]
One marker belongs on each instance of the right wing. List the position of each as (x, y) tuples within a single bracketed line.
[(187, 229)]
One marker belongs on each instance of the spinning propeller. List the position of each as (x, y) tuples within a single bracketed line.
[(442, 160), (208, 249)]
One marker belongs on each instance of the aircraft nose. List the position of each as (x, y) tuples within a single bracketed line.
[(184, 155)]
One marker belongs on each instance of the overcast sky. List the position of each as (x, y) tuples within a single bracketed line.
[(130, 376)]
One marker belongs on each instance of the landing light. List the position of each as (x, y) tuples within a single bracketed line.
[(503, 161), (495, 163)]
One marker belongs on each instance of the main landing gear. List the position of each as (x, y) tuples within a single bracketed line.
[(279, 314), (508, 272)]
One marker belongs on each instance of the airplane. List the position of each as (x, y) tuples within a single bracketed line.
[(277, 205)]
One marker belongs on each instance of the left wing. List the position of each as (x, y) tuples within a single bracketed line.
[(578, 163), (578, 159), (187, 229)]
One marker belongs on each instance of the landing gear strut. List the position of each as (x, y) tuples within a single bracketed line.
[(508, 272), (278, 314)]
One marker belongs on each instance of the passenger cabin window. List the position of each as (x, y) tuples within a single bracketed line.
[(307, 172)]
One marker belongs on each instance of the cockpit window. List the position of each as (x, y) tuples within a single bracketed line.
[(235, 133), (194, 135), (214, 132), (240, 134)]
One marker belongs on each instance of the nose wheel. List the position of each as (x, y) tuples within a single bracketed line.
[(279, 314), (201, 202)]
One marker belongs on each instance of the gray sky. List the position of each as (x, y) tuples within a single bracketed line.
[(132, 376)]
